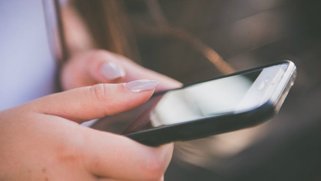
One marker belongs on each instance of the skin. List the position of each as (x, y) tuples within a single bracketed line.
[(78, 72), (42, 139)]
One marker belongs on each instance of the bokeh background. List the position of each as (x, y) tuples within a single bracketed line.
[(172, 36)]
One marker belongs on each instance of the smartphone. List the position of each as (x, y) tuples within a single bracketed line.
[(224, 104)]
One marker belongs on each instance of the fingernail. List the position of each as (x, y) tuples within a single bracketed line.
[(112, 71), (141, 85)]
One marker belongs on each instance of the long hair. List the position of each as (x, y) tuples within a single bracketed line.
[(110, 28), (108, 25)]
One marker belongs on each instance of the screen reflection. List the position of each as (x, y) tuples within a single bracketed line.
[(195, 102), (202, 100)]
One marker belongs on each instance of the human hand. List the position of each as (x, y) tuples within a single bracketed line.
[(43, 140), (100, 66)]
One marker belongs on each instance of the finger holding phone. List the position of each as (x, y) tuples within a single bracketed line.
[(101, 66), (224, 104), (43, 139)]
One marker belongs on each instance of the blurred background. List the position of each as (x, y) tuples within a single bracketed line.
[(195, 40)]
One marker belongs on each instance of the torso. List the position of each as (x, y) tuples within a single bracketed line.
[(27, 66)]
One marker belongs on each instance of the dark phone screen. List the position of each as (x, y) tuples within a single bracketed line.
[(207, 99)]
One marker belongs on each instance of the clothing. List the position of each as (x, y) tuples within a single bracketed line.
[(28, 67)]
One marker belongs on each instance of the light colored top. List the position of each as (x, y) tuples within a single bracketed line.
[(27, 66)]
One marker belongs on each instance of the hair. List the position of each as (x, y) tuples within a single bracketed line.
[(108, 24)]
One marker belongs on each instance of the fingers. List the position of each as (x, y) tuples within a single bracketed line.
[(86, 69), (100, 66), (95, 101), (134, 71), (112, 156), (104, 68)]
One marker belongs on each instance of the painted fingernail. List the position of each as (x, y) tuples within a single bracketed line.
[(112, 71), (141, 85)]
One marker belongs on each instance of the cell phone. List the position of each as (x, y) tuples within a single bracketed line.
[(224, 104)]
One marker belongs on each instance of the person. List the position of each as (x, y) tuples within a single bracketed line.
[(42, 139)]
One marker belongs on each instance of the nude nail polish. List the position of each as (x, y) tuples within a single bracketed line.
[(141, 85), (111, 71)]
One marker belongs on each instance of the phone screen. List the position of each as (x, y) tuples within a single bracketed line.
[(208, 99)]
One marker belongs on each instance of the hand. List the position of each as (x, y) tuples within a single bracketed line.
[(43, 140), (99, 66)]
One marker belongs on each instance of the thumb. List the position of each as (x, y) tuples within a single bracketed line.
[(96, 101), (103, 69), (90, 68)]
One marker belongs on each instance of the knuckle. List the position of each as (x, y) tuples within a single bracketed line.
[(98, 92), (99, 95), (67, 154), (154, 168)]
